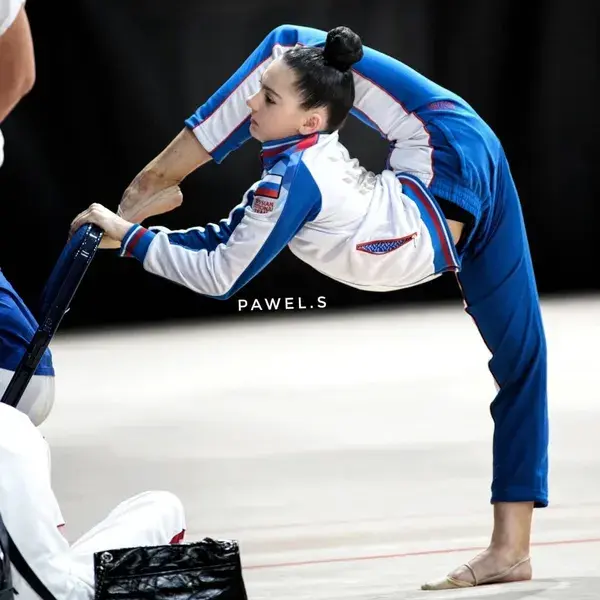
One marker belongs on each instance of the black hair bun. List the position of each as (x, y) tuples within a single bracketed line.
[(343, 48)]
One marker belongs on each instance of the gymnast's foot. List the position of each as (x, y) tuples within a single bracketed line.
[(491, 566), (506, 559)]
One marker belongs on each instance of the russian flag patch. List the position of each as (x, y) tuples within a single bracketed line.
[(385, 246), (269, 186), (266, 193)]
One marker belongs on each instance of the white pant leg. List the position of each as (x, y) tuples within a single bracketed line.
[(148, 519), (37, 400)]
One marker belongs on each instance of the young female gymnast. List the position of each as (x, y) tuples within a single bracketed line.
[(445, 201)]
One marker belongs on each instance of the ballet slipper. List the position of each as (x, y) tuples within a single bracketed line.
[(512, 574)]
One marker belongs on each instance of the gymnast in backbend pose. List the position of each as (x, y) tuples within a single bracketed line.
[(445, 201)]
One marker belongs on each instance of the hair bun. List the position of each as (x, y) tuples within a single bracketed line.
[(342, 49)]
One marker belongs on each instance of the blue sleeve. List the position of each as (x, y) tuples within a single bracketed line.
[(222, 123), (217, 262), (387, 91), (205, 238)]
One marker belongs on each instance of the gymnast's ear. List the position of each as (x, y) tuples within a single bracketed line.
[(314, 121)]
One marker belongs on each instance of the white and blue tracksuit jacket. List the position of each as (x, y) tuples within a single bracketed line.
[(372, 232)]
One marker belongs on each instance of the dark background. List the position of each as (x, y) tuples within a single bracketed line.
[(117, 78)]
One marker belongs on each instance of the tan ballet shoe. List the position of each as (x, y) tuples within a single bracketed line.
[(512, 574)]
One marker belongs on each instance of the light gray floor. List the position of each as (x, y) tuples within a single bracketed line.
[(350, 456)]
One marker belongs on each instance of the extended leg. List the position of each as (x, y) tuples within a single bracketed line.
[(499, 287)]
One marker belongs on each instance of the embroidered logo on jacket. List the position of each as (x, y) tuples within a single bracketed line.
[(442, 105), (266, 193), (260, 205), (385, 246)]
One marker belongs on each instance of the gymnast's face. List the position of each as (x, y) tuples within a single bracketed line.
[(276, 110)]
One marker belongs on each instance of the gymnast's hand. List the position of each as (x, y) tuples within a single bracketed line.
[(145, 203), (141, 201), (115, 227)]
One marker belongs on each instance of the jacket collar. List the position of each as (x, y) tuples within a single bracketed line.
[(276, 149)]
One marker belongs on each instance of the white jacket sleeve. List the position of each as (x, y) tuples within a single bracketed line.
[(218, 260), (28, 505)]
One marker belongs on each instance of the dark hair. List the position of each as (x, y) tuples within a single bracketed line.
[(323, 74)]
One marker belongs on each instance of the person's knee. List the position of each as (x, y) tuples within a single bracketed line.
[(169, 507)]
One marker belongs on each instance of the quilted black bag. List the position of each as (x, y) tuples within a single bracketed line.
[(205, 570)]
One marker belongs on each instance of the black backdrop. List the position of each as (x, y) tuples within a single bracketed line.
[(116, 78)]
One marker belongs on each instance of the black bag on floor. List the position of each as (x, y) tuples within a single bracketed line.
[(205, 570)]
